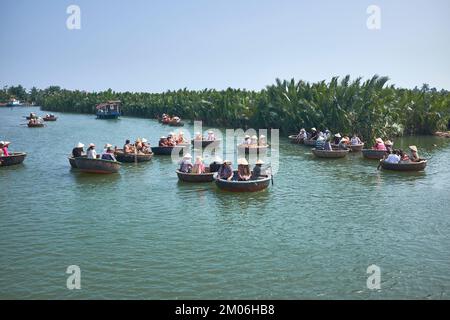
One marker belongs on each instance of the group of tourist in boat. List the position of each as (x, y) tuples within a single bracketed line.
[(166, 119), (253, 141), (91, 152), (141, 145), (399, 156), (210, 137), (224, 168), (172, 139)]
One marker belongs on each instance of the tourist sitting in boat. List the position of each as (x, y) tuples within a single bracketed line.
[(254, 141), (186, 164), (198, 136), (327, 145), (337, 138), (170, 140), (108, 153), (262, 140), (128, 147), (389, 146), (327, 134), (138, 144), (162, 142), (343, 144), (78, 151), (320, 142), (393, 157), (226, 171), (214, 166), (314, 134), (91, 153), (180, 137), (176, 119), (302, 135), (414, 157), (257, 170), (4, 148), (211, 136), (199, 166), (379, 145), (32, 115), (145, 146), (247, 141), (243, 173), (355, 140), (404, 157)]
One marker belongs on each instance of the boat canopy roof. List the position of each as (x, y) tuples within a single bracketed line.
[(111, 104)]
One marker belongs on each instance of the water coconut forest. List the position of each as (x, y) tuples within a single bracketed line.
[(369, 107)]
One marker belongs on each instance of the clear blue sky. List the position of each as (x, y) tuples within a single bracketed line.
[(145, 45)]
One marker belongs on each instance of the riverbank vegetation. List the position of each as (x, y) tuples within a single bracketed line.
[(370, 108)]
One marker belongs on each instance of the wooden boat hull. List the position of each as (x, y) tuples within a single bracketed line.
[(334, 154), (176, 124), (193, 177), (295, 140), (14, 158), (97, 165), (35, 125), (205, 143), (373, 154), (243, 186), (251, 149), (309, 142), (356, 147), (108, 116), (50, 119), (167, 151), (404, 166), (131, 157)]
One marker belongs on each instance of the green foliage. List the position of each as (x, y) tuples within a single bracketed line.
[(369, 108)]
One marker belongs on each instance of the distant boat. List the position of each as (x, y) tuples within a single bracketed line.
[(108, 110), (14, 103)]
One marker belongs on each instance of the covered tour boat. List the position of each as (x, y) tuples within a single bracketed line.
[(108, 110)]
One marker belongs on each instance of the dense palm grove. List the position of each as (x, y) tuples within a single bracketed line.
[(370, 108)]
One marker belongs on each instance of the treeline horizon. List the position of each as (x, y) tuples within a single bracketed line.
[(369, 108)]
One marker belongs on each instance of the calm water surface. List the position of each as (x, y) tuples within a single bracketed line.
[(142, 234)]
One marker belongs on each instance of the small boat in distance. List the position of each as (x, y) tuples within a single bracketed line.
[(36, 124), (14, 103), (404, 166), (97, 165), (108, 110), (50, 117), (167, 151), (356, 147), (243, 186), (252, 149), (14, 158)]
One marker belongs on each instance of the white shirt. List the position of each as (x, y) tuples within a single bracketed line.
[(92, 154), (393, 158)]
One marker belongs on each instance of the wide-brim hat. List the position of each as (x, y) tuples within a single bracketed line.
[(247, 136), (313, 129), (210, 132), (144, 140), (162, 137), (108, 145), (79, 145), (413, 148), (187, 156), (242, 161), (226, 161), (338, 135), (254, 137), (199, 158), (262, 136), (91, 145), (389, 143), (259, 161), (379, 140)]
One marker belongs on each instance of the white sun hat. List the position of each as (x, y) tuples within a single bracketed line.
[(91, 145), (187, 156), (242, 161), (144, 140), (79, 145), (259, 161), (108, 145)]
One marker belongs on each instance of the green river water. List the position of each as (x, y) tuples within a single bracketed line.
[(141, 234)]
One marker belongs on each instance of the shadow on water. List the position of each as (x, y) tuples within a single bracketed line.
[(93, 179)]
